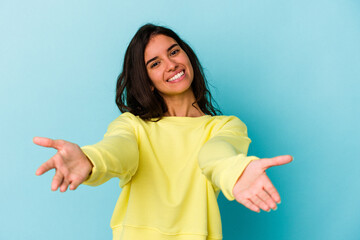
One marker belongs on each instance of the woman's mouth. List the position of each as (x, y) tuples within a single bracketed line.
[(178, 77)]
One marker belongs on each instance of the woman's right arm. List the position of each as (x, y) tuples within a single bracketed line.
[(116, 155)]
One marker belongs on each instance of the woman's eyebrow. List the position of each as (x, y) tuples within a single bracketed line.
[(174, 45), (154, 58)]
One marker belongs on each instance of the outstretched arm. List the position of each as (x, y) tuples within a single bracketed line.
[(223, 160), (116, 155)]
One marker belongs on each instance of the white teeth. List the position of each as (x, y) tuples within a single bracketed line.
[(176, 76)]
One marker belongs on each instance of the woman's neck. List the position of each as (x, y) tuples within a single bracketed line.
[(182, 105)]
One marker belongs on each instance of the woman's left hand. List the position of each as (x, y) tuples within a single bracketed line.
[(254, 189)]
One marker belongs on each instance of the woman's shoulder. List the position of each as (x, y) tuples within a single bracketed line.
[(128, 115), (223, 122), (227, 118), (125, 119)]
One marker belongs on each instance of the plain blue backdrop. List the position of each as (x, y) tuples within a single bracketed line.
[(289, 69)]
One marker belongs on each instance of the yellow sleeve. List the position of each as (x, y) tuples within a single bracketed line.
[(223, 158), (116, 155)]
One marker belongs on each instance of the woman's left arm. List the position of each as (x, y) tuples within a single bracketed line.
[(223, 160), (254, 189)]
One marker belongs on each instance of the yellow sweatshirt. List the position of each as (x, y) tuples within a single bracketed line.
[(170, 172)]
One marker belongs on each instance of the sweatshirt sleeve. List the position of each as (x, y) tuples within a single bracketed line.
[(116, 155), (223, 157)]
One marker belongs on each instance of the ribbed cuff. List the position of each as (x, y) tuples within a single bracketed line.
[(96, 170)]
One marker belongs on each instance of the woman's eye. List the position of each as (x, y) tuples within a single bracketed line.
[(154, 64), (174, 52)]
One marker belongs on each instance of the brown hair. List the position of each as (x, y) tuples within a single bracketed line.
[(133, 88)]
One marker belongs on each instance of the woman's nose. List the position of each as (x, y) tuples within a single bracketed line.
[(171, 65)]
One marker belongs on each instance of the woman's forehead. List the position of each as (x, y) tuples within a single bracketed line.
[(158, 44)]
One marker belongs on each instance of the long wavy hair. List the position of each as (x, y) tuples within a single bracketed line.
[(133, 88)]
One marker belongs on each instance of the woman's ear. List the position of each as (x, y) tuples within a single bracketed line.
[(152, 88)]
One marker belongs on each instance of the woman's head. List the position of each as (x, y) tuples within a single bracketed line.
[(169, 68), (137, 84)]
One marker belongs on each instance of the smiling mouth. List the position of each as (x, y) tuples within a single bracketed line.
[(177, 76)]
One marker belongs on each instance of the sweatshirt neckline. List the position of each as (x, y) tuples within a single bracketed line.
[(183, 119)]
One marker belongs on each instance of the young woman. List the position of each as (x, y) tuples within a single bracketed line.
[(169, 148)]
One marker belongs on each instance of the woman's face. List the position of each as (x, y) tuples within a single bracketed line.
[(168, 66)]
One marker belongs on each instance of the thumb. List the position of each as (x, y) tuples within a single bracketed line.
[(276, 161), (48, 142)]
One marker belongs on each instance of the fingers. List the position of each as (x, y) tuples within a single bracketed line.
[(260, 195), (261, 200), (70, 182), (63, 182), (267, 193), (61, 179), (48, 165), (276, 161), (260, 203), (250, 205), (69, 173), (75, 182), (73, 186), (268, 201), (64, 185), (272, 192), (48, 142), (57, 180)]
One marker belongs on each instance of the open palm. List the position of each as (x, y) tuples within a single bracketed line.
[(254, 189), (71, 164)]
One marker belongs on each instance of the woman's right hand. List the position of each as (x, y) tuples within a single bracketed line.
[(72, 167)]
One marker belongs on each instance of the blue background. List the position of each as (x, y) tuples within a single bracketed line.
[(289, 69)]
